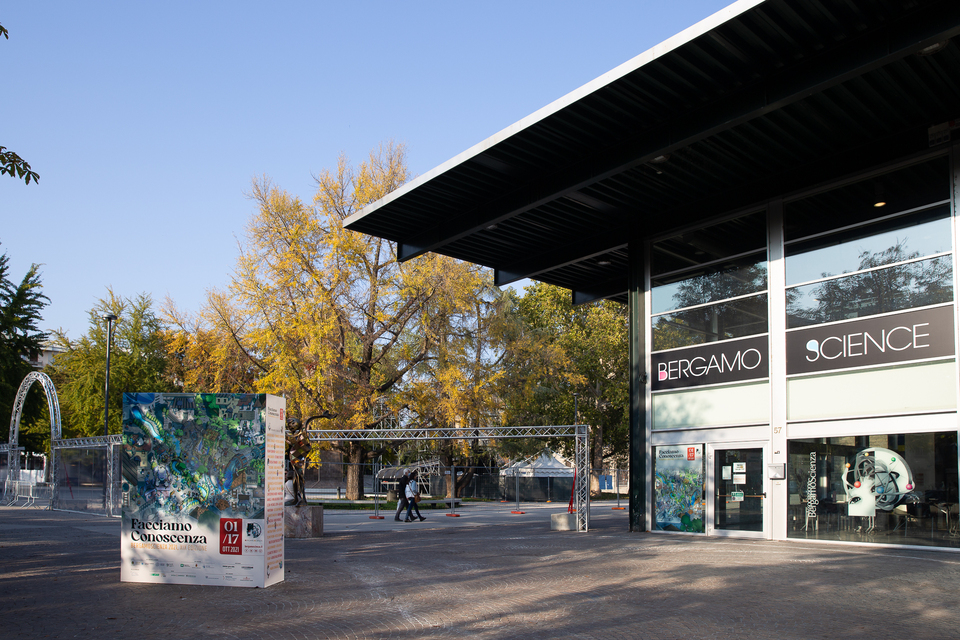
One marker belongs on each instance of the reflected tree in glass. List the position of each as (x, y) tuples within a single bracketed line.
[(713, 322), (904, 286)]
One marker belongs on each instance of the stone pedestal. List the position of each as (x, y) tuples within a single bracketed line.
[(305, 521), (563, 522)]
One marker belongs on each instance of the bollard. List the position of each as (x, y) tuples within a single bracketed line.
[(453, 500)]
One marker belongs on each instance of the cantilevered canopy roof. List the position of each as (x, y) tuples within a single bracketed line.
[(759, 100)]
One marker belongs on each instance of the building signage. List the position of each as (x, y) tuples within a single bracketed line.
[(713, 363), (902, 337), (202, 489)]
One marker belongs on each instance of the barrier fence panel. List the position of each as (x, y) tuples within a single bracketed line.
[(85, 475)]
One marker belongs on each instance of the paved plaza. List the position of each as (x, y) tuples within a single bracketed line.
[(487, 574)]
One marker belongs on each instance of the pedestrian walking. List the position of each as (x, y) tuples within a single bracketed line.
[(413, 496), (402, 495)]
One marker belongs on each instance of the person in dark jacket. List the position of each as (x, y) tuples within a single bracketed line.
[(401, 495)]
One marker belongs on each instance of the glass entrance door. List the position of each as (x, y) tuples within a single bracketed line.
[(738, 490)]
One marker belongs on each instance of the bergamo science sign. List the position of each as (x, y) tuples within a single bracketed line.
[(202, 489), (880, 340)]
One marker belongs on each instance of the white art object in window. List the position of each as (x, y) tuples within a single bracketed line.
[(878, 479)]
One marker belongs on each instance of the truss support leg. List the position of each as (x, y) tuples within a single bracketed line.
[(582, 489)]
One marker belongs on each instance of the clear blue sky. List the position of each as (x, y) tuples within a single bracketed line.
[(147, 120)]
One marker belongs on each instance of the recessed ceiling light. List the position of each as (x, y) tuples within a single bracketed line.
[(603, 263), (936, 47)]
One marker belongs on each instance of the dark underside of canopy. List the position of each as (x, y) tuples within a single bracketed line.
[(782, 96)]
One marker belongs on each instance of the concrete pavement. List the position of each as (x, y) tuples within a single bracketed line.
[(487, 574)]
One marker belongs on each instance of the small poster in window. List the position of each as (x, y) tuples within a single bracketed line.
[(725, 473), (739, 478), (739, 467)]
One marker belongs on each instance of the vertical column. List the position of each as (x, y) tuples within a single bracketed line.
[(638, 385), (954, 200), (776, 507), (54, 473)]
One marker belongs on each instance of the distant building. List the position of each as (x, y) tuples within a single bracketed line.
[(46, 356)]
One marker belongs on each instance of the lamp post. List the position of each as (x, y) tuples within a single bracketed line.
[(110, 318), (576, 414)]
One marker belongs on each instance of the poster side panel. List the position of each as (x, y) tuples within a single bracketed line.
[(275, 468)]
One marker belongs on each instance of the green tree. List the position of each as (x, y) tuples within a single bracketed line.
[(20, 337), (10, 163), (138, 362), (558, 350)]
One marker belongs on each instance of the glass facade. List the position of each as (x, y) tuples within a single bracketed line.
[(882, 488), (720, 293), (900, 266), (865, 293)]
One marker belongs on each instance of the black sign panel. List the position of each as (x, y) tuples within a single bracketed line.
[(912, 335), (713, 363)]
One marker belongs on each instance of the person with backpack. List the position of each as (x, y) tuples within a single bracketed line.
[(402, 495), (413, 496)]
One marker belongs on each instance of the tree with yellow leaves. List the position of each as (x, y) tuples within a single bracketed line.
[(326, 316)]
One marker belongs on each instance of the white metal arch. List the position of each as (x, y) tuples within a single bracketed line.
[(53, 405), (580, 432)]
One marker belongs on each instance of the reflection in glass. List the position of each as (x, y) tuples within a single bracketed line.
[(742, 277), (893, 489), (707, 245), (906, 286), (904, 189), (893, 241), (723, 321)]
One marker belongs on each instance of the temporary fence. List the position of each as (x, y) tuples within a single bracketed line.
[(85, 475)]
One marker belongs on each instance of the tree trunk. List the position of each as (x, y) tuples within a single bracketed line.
[(596, 460), (464, 481), (355, 468)]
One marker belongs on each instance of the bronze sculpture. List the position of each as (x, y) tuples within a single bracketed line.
[(298, 450)]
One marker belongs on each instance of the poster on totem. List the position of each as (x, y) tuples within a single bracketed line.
[(202, 489), (678, 486)]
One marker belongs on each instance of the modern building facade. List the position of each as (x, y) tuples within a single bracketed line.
[(773, 192)]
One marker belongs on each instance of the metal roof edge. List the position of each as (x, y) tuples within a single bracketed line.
[(670, 44)]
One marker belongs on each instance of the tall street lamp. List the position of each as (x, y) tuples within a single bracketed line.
[(110, 318), (576, 414)]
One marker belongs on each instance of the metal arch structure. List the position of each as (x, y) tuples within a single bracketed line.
[(12, 448), (579, 431), (57, 442)]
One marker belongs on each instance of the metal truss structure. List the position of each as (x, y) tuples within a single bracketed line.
[(12, 447), (57, 443), (112, 445), (580, 432)]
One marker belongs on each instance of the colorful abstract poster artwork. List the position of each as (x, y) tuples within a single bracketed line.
[(679, 488), (195, 488)]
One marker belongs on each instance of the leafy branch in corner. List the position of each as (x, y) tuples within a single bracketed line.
[(10, 163)]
